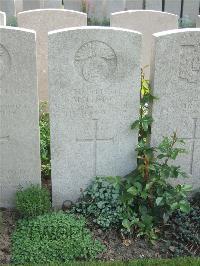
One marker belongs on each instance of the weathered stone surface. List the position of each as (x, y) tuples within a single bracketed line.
[(2, 19), (147, 22), (19, 126), (8, 7), (94, 82), (175, 79), (31, 4), (73, 5), (134, 4), (173, 6), (97, 9), (198, 22), (52, 4), (191, 9), (102, 9), (154, 5), (42, 21), (18, 6)]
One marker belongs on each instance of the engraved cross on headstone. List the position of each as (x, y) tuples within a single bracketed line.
[(193, 139), (95, 140)]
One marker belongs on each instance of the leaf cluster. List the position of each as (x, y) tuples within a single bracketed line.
[(183, 232), (55, 237), (101, 201), (33, 201)]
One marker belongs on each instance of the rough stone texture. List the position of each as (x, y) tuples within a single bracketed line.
[(73, 5), (198, 22), (191, 9), (19, 126), (147, 22), (98, 9), (94, 81), (2, 19), (134, 4), (8, 7), (173, 6), (52, 3), (31, 4), (115, 6), (175, 80), (18, 6), (42, 21), (102, 9), (154, 5)]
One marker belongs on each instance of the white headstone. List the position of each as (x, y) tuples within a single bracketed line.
[(94, 83), (19, 118), (52, 4), (115, 6), (2, 19), (134, 4), (147, 22), (191, 9), (42, 21), (31, 4), (18, 6), (8, 7), (173, 6), (97, 9), (76, 5), (154, 5), (198, 22), (175, 81)]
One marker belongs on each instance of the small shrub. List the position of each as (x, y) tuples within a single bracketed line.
[(101, 202), (183, 231), (33, 201), (45, 141), (55, 237)]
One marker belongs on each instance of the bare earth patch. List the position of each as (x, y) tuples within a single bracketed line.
[(7, 226)]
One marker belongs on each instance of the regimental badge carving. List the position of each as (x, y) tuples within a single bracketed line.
[(189, 67), (96, 62), (5, 62)]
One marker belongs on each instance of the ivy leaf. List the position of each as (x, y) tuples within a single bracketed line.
[(133, 191), (159, 200)]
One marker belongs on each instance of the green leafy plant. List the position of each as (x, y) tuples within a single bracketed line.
[(101, 201), (146, 194), (33, 201), (45, 141), (182, 233), (55, 237)]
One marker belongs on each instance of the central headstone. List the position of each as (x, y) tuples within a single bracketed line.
[(175, 81), (94, 83), (19, 118), (43, 21), (2, 19), (147, 22)]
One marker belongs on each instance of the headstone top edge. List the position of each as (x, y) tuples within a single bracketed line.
[(88, 28), (51, 9), (144, 12), (175, 31), (17, 29)]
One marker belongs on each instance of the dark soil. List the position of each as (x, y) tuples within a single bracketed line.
[(7, 225)]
